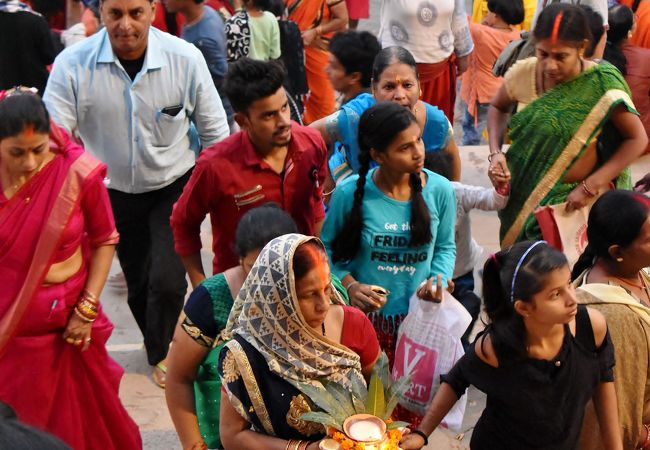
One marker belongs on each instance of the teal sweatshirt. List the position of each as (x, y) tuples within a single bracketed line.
[(384, 257)]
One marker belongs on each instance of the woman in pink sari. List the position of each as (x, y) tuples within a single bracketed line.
[(57, 238)]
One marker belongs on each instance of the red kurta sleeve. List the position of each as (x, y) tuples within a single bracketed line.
[(359, 335), (319, 208), (192, 207)]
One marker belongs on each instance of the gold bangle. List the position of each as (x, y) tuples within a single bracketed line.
[(489, 158), (82, 317), (588, 191), (89, 295)]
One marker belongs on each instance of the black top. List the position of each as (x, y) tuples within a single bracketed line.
[(537, 404), (133, 66), (26, 48)]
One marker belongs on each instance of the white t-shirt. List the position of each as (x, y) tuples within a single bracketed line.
[(430, 29), (468, 252), (600, 6)]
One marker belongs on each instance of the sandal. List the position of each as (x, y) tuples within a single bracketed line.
[(160, 375)]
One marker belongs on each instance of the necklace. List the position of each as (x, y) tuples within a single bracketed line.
[(582, 68), (322, 327), (638, 286)]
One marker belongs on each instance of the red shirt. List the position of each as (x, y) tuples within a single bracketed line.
[(230, 178), (359, 335)]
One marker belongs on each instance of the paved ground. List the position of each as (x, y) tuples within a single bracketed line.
[(146, 402)]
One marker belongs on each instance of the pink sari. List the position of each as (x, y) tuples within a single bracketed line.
[(50, 383)]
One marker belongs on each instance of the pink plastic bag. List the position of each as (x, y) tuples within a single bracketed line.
[(428, 345)]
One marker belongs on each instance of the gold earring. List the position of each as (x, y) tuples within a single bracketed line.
[(619, 259)]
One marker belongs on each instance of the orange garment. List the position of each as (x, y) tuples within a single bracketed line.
[(480, 10), (438, 85), (638, 78), (478, 83), (641, 37), (321, 101)]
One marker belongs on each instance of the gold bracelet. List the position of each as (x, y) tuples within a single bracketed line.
[(89, 295), (289, 443), (491, 155), (82, 317), (588, 191)]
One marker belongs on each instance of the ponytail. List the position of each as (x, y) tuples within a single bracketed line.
[(586, 261), (500, 293)]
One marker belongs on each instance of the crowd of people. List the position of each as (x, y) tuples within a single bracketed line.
[(327, 163)]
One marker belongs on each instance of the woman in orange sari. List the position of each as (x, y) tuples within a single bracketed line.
[(57, 238), (318, 20)]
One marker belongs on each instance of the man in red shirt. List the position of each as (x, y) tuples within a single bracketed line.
[(271, 160)]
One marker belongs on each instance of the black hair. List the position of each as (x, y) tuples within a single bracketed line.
[(391, 55), (261, 225), (511, 11), (573, 27), (356, 51), (19, 436), (621, 21), (249, 80), (605, 229), (264, 5), (596, 27), (303, 258), (276, 7), (22, 109), (506, 327), (440, 162), (378, 127)]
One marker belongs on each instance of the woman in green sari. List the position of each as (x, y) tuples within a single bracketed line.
[(575, 130), (193, 387)]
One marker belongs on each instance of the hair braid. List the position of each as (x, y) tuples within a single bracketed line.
[(348, 240), (420, 216)]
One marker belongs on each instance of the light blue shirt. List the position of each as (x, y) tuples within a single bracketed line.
[(121, 121), (385, 257)]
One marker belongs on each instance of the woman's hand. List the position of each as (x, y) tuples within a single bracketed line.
[(77, 332), (428, 293), (363, 297), (308, 36), (499, 167), (411, 441), (577, 199)]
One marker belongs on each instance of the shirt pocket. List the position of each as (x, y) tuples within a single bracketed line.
[(168, 129), (248, 197)]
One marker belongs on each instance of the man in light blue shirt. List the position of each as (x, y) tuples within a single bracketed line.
[(129, 92)]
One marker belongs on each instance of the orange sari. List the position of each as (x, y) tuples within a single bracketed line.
[(310, 14), (641, 37)]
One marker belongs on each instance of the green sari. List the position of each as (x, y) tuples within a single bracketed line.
[(549, 135)]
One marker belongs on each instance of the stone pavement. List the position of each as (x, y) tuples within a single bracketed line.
[(146, 402)]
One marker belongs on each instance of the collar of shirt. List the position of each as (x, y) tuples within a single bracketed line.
[(153, 59), (252, 158)]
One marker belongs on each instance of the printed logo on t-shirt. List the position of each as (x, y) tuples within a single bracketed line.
[(391, 251)]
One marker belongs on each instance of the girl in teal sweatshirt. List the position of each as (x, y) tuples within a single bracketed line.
[(392, 226)]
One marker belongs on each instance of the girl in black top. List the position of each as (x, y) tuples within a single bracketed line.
[(540, 360)]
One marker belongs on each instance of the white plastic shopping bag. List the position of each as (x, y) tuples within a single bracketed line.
[(428, 345)]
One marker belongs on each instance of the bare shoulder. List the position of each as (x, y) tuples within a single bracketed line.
[(598, 325), (485, 350)]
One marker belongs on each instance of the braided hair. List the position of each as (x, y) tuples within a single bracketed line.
[(378, 128)]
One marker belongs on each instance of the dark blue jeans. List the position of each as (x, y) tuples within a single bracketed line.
[(473, 130)]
